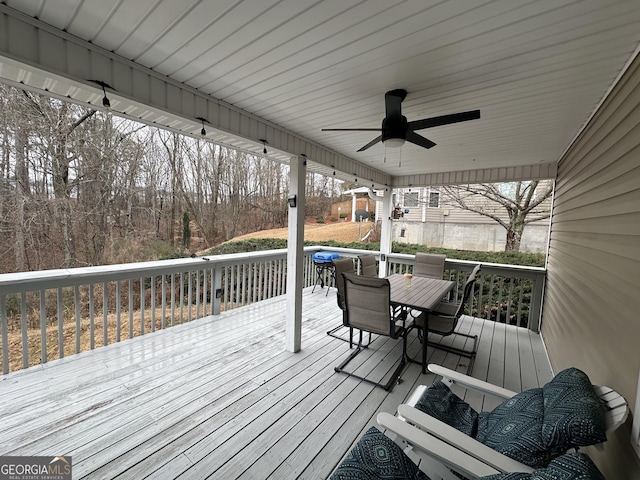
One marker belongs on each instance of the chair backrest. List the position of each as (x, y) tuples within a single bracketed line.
[(367, 301), (342, 265), (468, 289), (429, 265), (368, 265)]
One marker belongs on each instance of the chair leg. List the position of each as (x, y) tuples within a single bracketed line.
[(470, 354), (332, 333), (395, 376)]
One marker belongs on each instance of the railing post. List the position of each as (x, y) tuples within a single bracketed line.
[(216, 299), (535, 309)]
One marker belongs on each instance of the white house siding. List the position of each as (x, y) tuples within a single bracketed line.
[(468, 236), (590, 314)]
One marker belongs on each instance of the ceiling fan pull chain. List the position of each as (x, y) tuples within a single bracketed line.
[(400, 159)]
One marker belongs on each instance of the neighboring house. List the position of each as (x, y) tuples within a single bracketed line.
[(432, 219)]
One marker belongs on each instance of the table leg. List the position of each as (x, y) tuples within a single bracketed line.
[(425, 329)]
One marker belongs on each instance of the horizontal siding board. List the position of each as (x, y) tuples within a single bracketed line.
[(627, 224)]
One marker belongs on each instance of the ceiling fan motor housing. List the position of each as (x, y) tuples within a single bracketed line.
[(394, 127)]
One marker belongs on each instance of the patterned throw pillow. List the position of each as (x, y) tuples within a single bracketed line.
[(514, 428), (573, 412), (572, 466), (441, 403), (377, 457)]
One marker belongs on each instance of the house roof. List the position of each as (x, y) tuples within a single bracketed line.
[(281, 70)]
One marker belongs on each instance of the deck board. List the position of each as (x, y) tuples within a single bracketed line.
[(221, 398)]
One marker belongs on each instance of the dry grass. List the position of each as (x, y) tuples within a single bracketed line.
[(339, 231)]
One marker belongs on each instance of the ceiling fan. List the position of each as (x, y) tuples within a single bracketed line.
[(395, 128)]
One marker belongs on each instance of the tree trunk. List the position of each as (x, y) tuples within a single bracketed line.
[(22, 187), (514, 233)]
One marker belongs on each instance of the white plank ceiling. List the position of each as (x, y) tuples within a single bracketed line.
[(535, 69)]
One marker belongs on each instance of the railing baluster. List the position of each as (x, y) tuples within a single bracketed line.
[(130, 308), (205, 272), (520, 301), (225, 287), (173, 298), (91, 318), (232, 287), (142, 295), (24, 330), (500, 290), (118, 310), (153, 303), (197, 274), (509, 299), (490, 302), (480, 283), (163, 295), (60, 324), (105, 314), (76, 302), (189, 294), (43, 328), (181, 296)]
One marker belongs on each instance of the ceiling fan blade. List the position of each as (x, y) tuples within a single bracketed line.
[(392, 101), (444, 120), (351, 129), (371, 143), (419, 140)]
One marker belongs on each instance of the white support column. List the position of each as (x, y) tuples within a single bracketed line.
[(353, 207), (295, 254), (386, 231), (425, 200)]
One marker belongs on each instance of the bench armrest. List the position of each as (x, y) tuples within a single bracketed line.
[(460, 441), (451, 376), (450, 456)]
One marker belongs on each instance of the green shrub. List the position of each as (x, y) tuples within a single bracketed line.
[(343, 215), (320, 219), (509, 258), (334, 219)]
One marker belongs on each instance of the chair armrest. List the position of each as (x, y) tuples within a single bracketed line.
[(461, 441), (451, 376), (616, 407), (435, 448)]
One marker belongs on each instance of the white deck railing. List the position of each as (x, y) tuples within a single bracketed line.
[(41, 310)]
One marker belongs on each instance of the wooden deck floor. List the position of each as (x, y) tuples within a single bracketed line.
[(221, 398)]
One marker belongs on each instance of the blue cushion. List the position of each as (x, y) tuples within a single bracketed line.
[(441, 403), (573, 412), (571, 466), (514, 428), (374, 457)]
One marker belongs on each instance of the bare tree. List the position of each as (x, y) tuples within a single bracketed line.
[(513, 205)]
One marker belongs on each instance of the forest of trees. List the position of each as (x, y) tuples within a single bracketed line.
[(82, 187)]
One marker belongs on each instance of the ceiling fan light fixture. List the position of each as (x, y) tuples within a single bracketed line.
[(394, 142)]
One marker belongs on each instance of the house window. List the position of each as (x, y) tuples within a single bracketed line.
[(434, 199), (411, 199)]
